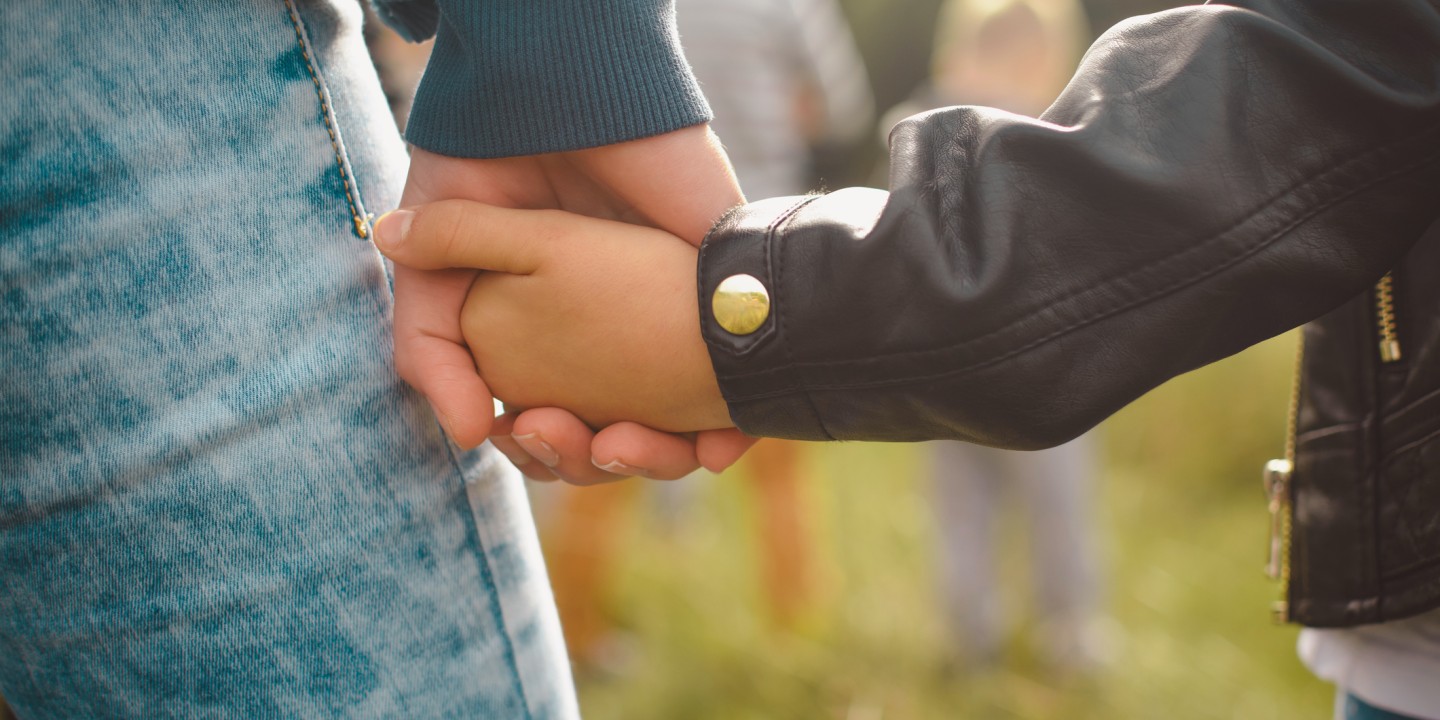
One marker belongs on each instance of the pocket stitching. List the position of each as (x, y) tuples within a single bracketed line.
[(358, 216)]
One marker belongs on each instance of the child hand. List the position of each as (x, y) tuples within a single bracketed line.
[(595, 316)]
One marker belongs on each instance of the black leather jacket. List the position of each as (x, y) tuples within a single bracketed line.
[(1213, 176)]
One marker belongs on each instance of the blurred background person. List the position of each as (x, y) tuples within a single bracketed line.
[(1049, 489), (782, 77), (786, 77), (1015, 55)]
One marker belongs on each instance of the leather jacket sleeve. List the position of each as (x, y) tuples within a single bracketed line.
[(1212, 176)]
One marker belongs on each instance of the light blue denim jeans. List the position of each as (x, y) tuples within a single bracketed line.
[(216, 498)]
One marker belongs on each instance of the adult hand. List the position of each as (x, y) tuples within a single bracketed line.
[(584, 457), (678, 181)]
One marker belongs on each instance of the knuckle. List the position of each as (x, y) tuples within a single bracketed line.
[(450, 229), (436, 234)]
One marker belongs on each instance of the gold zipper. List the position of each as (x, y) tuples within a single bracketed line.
[(1385, 320), (1279, 474)]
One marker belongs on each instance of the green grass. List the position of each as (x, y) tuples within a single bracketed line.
[(1183, 529)]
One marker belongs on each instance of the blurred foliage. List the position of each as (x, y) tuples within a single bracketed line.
[(1183, 524)]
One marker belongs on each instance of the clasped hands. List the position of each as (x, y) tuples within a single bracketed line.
[(583, 318)]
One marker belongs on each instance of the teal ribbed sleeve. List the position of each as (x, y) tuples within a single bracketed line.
[(518, 77)]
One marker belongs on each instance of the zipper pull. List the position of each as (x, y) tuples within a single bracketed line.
[(1277, 492)]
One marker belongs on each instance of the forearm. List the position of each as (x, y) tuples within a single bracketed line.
[(1212, 177)]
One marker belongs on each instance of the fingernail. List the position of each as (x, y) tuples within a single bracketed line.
[(620, 468), (538, 448), (391, 228)]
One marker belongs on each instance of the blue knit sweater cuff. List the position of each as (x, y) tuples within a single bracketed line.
[(519, 77)]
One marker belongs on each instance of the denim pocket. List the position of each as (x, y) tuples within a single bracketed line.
[(359, 218)]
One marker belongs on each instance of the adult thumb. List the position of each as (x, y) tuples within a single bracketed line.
[(464, 234)]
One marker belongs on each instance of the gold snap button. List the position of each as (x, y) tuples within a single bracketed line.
[(741, 304)]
